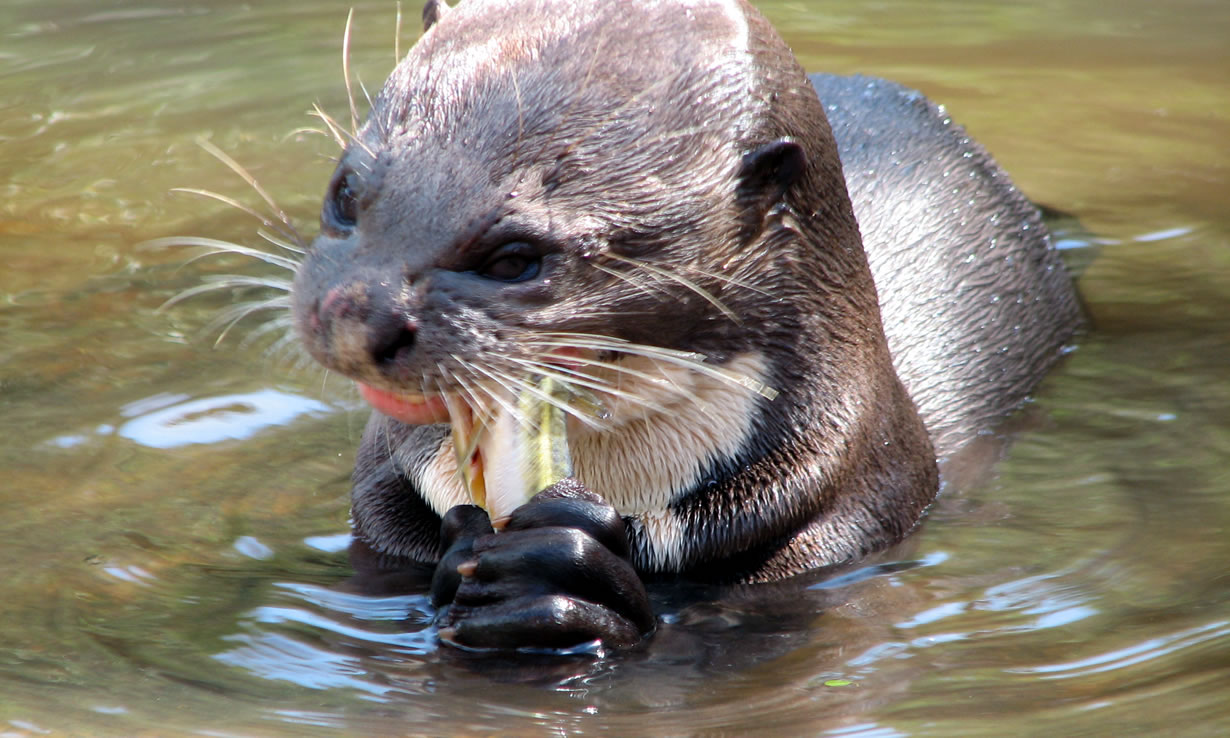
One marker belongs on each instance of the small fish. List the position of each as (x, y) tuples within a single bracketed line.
[(512, 451)]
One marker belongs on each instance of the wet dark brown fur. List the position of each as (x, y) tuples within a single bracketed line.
[(684, 136)]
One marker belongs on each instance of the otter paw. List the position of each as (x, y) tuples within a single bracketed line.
[(556, 576), (459, 528)]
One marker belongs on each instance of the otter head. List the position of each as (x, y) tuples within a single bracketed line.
[(631, 199)]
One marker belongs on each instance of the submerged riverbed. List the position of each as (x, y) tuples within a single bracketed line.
[(173, 514)]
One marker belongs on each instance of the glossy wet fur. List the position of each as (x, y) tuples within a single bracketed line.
[(975, 301), (691, 198)]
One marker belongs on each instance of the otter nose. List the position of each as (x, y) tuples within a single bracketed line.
[(389, 335), (365, 316)]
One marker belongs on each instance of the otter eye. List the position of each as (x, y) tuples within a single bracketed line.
[(342, 206), (512, 262)]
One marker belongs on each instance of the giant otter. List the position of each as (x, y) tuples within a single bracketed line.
[(783, 306)]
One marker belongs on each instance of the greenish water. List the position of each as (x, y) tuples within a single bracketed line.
[(173, 515)]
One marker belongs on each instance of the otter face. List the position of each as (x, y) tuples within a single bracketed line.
[(541, 202)]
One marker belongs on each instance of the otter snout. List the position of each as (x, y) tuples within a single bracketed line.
[(360, 326), (389, 329)]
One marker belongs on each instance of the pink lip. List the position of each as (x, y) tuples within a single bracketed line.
[(427, 409), (410, 409)]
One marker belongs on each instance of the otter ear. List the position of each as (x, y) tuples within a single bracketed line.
[(433, 11), (767, 173)]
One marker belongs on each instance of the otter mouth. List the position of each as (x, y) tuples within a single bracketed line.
[(407, 408), (426, 409), (510, 431), (506, 451)]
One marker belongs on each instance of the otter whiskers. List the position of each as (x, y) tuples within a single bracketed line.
[(659, 273), (287, 227), (509, 439), (277, 230), (684, 359), (212, 246), (574, 378)]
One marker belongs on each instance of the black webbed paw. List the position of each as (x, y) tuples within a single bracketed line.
[(459, 528), (556, 576)]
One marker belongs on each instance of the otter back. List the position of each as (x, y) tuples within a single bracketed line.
[(975, 302)]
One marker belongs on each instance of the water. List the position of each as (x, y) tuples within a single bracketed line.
[(173, 515)]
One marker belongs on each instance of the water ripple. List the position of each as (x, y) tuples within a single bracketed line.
[(1153, 648), (279, 657)]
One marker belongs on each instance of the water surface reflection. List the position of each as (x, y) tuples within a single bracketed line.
[(175, 516)]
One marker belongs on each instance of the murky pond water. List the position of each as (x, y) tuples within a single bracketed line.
[(173, 515)]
